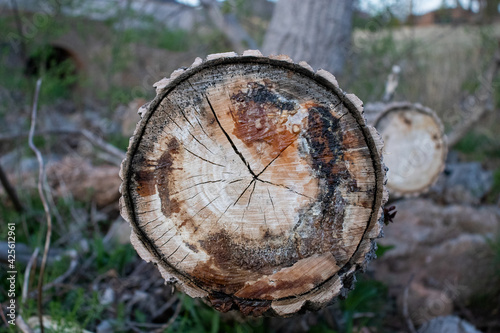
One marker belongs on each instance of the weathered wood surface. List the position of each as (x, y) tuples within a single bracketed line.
[(254, 183), (415, 147)]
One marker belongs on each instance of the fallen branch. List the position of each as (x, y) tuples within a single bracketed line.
[(482, 105), (41, 179), (117, 154), (392, 84), (103, 144)]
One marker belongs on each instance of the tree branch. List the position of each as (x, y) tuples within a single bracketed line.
[(392, 84), (482, 105), (41, 179), (117, 154)]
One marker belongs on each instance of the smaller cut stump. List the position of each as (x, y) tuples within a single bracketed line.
[(415, 147), (254, 183)]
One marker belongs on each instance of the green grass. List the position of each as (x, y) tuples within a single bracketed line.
[(369, 297), (111, 257), (479, 146), (80, 307)]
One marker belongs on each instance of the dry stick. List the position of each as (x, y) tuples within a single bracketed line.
[(172, 319), (27, 272), (481, 107), (72, 267), (165, 306), (25, 328), (103, 144), (11, 192), (41, 178)]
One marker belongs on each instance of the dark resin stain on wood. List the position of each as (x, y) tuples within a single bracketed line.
[(245, 184), (258, 117), (162, 172)]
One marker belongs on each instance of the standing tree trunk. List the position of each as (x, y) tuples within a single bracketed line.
[(228, 24), (255, 183), (316, 31)]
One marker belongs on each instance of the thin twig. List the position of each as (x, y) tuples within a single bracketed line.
[(102, 144), (60, 223), (27, 272), (165, 306), (21, 324), (11, 192), (41, 178), (72, 266), (172, 319), (406, 314)]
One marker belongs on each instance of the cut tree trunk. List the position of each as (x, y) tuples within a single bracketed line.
[(254, 183), (316, 31), (415, 147)]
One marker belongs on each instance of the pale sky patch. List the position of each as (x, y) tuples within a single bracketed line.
[(419, 6)]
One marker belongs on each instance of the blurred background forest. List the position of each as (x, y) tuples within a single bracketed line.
[(98, 61)]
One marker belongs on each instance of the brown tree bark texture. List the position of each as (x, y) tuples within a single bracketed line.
[(254, 183), (316, 31), (415, 147)]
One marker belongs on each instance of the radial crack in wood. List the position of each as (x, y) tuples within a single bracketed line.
[(254, 183)]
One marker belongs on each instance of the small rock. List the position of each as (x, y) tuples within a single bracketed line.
[(106, 326), (465, 183), (445, 248), (426, 303), (108, 297), (461, 267), (448, 324)]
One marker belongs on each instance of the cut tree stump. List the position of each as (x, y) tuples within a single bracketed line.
[(415, 147), (254, 183)]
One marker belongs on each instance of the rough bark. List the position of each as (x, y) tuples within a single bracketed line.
[(316, 31), (254, 183), (229, 25), (415, 147)]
